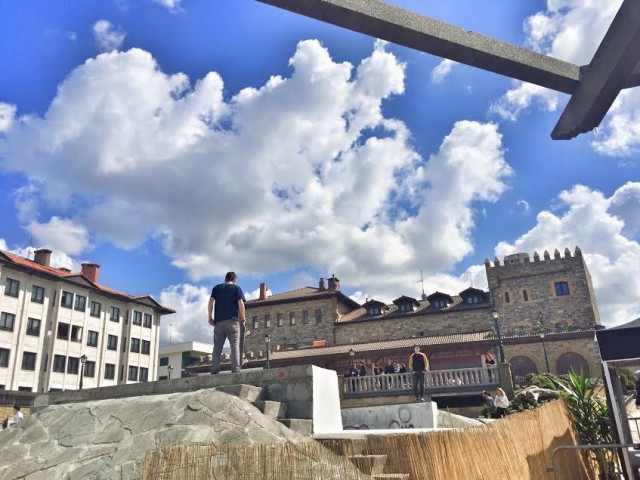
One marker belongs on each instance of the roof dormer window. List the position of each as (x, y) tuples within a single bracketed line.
[(374, 310), (439, 303), (472, 299), (406, 307)]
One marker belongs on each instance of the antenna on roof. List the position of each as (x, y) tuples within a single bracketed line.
[(468, 272), (31, 248), (421, 281)]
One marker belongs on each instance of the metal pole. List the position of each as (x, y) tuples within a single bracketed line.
[(81, 375), (267, 364), (497, 326), (544, 349)]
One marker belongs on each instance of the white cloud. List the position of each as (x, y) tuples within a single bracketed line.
[(60, 234), (602, 228), (303, 171), (189, 323), (7, 116), (440, 72), (172, 5), (108, 36), (526, 208), (59, 259), (619, 134)]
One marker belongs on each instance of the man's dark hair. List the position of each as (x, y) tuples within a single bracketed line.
[(230, 277), (17, 407)]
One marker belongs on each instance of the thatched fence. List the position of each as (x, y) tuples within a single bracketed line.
[(517, 447)]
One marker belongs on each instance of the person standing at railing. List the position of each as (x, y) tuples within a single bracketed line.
[(501, 402), (489, 361), (352, 373), (418, 364)]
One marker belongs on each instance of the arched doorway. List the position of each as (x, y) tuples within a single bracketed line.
[(571, 360), (522, 366)]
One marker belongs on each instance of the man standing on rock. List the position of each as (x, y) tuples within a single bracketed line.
[(227, 305), (418, 364)]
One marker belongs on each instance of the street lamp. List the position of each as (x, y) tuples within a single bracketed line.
[(352, 353), (544, 349), (169, 370), (267, 341), (497, 326), (83, 360)]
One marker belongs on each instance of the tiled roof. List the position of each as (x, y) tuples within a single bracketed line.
[(408, 343), (292, 294), (64, 274)]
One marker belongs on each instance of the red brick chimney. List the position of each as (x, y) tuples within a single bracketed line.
[(263, 291), (321, 286), (334, 284), (91, 271), (42, 257)]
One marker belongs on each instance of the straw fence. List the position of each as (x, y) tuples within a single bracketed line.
[(516, 447)]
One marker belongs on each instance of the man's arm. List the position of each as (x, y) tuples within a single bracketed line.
[(210, 308), (411, 362), (241, 312)]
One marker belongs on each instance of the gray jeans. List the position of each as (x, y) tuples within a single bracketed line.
[(226, 329)]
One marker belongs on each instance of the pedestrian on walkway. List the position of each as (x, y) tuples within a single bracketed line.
[(501, 402)]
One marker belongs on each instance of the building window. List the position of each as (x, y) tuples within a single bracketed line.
[(439, 303), (255, 323), (112, 342), (66, 299), (59, 362), (109, 371), (92, 338), (33, 327), (318, 315), (135, 345), (137, 318), (144, 374), (133, 373), (147, 320), (280, 320), (507, 298), (164, 361), (525, 295), (305, 317), (472, 299), (12, 287), (292, 318), (89, 369), (81, 303), (115, 314), (562, 288), (4, 357), (96, 308), (63, 331), (406, 307), (37, 294), (28, 361), (73, 364), (6, 321), (267, 320), (76, 333), (124, 344), (146, 347)]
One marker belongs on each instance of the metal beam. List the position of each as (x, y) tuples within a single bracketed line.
[(404, 27), (609, 71)]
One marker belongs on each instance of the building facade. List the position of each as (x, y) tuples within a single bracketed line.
[(176, 357), (542, 310), (58, 328)]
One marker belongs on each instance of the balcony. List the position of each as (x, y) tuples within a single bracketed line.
[(436, 382)]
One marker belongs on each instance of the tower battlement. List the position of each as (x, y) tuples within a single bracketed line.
[(523, 258)]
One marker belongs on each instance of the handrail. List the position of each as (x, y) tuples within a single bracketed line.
[(434, 379)]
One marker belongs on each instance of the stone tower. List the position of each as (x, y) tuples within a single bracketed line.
[(542, 294)]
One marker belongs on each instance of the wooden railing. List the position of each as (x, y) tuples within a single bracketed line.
[(434, 380)]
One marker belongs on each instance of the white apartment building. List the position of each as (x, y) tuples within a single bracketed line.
[(52, 319), (178, 356)]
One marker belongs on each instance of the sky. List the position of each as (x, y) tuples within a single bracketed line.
[(171, 141)]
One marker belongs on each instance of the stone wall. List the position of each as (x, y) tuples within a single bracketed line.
[(301, 334)]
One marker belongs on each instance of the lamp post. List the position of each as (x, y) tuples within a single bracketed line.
[(544, 349), (169, 370), (267, 341), (497, 327), (83, 360)]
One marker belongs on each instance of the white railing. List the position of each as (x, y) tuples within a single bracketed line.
[(399, 382)]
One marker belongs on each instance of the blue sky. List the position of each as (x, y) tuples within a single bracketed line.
[(173, 140)]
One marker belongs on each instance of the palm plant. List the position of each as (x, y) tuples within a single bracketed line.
[(590, 416)]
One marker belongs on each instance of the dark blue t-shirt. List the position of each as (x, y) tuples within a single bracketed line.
[(226, 296)]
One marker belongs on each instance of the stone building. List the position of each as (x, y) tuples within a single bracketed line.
[(543, 308), (58, 328)]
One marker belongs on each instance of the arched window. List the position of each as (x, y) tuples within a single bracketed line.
[(525, 295), (522, 366), (572, 360), (507, 298)]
